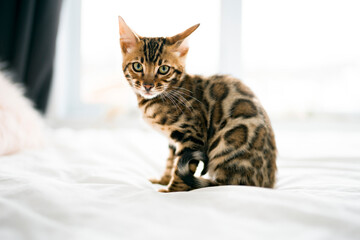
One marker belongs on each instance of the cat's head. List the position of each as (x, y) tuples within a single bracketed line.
[(153, 65)]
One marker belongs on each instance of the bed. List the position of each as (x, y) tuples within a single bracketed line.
[(92, 184)]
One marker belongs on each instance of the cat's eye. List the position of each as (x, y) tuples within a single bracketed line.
[(137, 67), (164, 69)]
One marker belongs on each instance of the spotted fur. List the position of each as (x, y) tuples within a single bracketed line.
[(217, 120)]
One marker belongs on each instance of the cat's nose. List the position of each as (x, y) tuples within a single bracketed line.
[(148, 87)]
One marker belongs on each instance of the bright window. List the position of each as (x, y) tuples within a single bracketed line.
[(303, 57)]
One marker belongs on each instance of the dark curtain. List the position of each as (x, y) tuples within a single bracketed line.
[(28, 31)]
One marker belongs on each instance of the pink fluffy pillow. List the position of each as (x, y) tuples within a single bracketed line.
[(21, 127)]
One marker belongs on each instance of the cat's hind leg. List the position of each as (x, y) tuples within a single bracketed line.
[(166, 177), (176, 184)]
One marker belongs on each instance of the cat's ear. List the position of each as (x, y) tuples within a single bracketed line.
[(128, 39), (179, 41)]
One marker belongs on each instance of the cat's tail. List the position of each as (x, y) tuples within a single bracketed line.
[(187, 166)]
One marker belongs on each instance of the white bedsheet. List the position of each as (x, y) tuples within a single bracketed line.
[(92, 184)]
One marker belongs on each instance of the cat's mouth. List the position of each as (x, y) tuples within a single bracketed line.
[(148, 95)]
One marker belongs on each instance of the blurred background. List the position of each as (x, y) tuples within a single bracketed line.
[(301, 58)]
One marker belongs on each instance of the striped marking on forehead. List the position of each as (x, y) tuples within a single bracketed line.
[(153, 48)]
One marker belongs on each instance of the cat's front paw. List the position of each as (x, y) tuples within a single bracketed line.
[(161, 181), (154, 180), (163, 190)]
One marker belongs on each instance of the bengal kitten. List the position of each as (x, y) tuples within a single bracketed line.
[(216, 120)]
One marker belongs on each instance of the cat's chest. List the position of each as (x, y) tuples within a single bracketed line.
[(160, 117), (168, 117)]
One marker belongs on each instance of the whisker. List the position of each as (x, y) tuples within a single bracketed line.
[(188, 95), (162, 98), (175, 98), (182, 88), (171, 98), (180, 100), (183, 100)]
